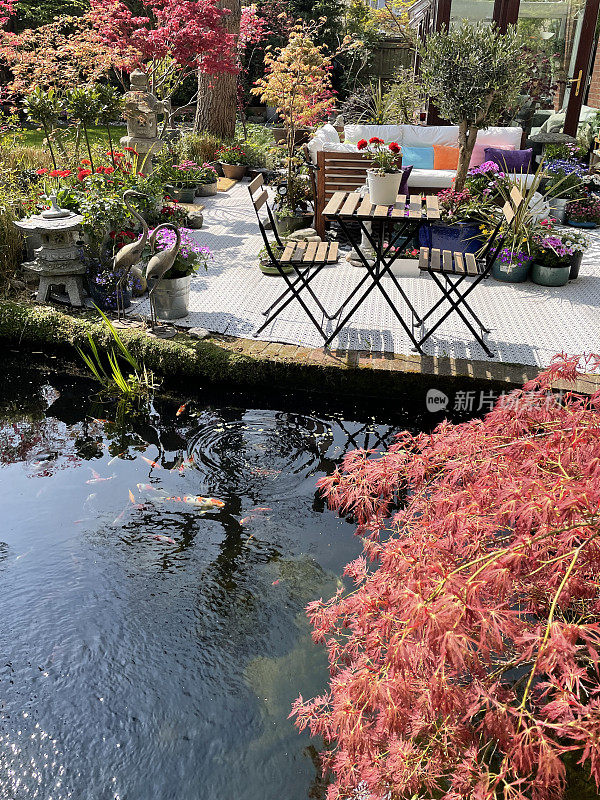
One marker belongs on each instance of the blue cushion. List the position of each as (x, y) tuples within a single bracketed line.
[(419, 157)]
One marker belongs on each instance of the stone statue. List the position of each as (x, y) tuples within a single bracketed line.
[(141, 111)]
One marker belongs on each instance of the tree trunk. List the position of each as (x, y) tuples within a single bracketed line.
[(216, 107), (466, 142)]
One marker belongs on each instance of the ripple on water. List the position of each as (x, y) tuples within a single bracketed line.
[(250, 452)]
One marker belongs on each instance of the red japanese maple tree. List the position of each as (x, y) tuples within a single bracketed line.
[(465, 662), (170, 40)]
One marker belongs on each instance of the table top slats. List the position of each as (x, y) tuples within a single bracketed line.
[(415, 208), (334, 203), (365, 208), (471, 264), (399, 209), (432, 206), (298, 251), (287, 253), (381, 212), (322, 251), (311, 251), (350, 203), (424, 258), (459, 263), (332, 255), (447, 260), (434, 261)]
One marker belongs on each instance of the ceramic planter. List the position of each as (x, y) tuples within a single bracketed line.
[(288, 225), (181, 194), (550, 276), (234, 171), (575, 264), (268, 268), (383, 189), (461, 237), (207, 189), (511, 272), (107, 301), (406, 268), (589, 225), (172, 297)]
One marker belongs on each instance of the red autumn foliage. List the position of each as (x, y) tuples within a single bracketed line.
[(465, 662)]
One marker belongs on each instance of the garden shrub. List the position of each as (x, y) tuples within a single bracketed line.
[(465, 662)]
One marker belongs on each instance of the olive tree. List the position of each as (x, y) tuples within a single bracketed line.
[(472, 73)]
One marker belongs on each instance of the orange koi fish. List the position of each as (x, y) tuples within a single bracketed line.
[(153, 464), (181, 409), (197, 501), (161, 538), (131, 496), (253, 514), (97, 478)]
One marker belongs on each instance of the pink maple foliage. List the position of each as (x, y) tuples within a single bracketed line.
[(465, 661), (187, 32)]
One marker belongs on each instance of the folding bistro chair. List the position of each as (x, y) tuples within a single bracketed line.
[(450, 270), (306, 259)]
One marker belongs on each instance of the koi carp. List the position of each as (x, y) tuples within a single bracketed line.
[(181, 409), (161, 538), (153, 464), (96, 478)]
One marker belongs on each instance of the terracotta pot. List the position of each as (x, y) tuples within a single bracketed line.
[(234, 171)]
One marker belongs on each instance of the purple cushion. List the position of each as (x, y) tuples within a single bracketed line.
[(404, 182), (510, 160)]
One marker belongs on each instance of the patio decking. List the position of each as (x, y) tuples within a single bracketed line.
[(530, 323)]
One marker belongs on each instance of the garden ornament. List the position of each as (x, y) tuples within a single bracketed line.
[(127, 257), (158, 266)]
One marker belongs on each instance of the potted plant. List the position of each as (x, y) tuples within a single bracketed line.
[(562, 182), (459, 228), (406, 264), (473, 73), (512, 266), (233, 161), (172, 295), (182, 180), (552, 262), (293, 196), (584, 213), (208, 181), (384, 179), (265, 263), (578, 243)]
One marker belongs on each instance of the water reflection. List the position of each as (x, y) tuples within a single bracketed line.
[(156, 646)]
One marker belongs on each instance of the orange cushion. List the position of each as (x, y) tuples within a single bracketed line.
[(445, 156)]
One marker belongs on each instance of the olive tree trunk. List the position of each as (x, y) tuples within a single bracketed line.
[(216, 107), (467, 134)]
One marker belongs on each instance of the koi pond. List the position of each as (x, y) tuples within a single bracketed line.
[(152, 642)]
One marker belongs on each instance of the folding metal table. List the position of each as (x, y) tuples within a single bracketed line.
[(400, 221)]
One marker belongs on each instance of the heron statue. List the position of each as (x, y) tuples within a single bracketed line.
[(158, 266), (127, 257)]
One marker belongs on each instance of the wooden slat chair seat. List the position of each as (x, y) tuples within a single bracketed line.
[(306, 259), (450, 262), (450, 269)]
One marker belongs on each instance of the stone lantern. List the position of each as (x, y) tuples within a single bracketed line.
[(58, 261), (141, 113)]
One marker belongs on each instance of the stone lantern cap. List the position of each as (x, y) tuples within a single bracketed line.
[(53, 219)]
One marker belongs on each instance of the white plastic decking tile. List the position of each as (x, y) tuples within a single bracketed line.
[(529, 323)]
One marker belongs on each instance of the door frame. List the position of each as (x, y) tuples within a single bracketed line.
[(583, 63)]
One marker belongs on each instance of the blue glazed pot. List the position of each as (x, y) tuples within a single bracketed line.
[(550, 276), (462, 237), (107, 301), (589, 225), (511, 273)]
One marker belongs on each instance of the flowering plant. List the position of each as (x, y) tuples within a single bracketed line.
[(563, 178), (551, 250), (485, 180), (461, 206), (515, 258), (191, 255), (585, 210), (387, 157), (232, 154), (189, 174)]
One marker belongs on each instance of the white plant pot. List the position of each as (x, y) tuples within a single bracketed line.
[(558, 208), (172, 297), (406, 268), (383, 189)]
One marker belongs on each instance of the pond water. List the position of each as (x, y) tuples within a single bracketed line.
[(150, 648)]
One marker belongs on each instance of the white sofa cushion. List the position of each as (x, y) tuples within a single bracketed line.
[(389, 133), (431, 178), (492, 137), (422, 136)]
